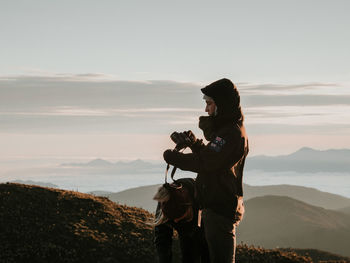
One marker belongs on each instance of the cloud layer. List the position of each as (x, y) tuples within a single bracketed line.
[(97, 95), (99, 104)]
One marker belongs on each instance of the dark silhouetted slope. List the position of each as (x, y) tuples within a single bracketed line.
[(49, 225), (278, 221), (251, 254), (317, 255), (30, 182)]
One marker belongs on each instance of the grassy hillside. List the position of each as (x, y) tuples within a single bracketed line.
[(40, 224), (277, 221), (50, 225), (317, 255)]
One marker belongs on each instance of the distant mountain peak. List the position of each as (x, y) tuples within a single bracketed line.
[(304, 160), (307, 149), (130, 166), (99, 162), (138, 161)]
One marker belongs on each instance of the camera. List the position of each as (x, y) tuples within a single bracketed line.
[(181, 139)]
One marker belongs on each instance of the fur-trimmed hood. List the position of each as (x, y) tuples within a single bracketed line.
[(226, 97)]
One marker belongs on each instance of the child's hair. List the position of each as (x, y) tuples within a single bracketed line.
[(162, 195), (174, 203)]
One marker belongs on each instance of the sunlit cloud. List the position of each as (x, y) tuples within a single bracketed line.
[(95, 100), (76, 111), (45, 76), (299, 115), (295, 89), (183, 120), (61, 110)]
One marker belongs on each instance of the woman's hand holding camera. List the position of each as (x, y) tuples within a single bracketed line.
[(182, 140)]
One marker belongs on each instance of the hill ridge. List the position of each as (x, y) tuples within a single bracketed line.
[(142, 196), (280, 221), (54, 225)]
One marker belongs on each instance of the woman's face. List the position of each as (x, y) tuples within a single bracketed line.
[(210, 107)]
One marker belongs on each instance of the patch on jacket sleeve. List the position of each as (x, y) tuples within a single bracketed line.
[(217, 144)]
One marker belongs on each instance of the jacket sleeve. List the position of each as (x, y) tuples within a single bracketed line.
[(197, 146), (218, 154)]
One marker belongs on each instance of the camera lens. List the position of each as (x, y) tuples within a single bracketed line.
[(175, 137)]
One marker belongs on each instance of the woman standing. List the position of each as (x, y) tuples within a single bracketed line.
[(219, 164)]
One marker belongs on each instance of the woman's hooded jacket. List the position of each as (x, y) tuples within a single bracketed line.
[(220, 163)]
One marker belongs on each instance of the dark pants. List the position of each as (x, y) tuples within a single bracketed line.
[(192, 243), (220, 234)]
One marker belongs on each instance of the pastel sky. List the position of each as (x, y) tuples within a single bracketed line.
[(112, 79)]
